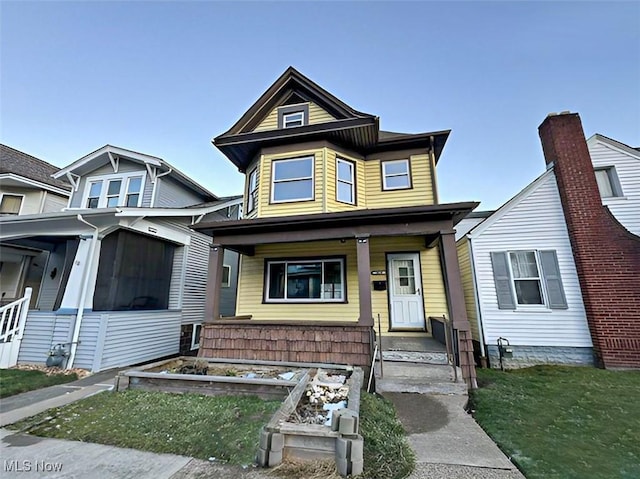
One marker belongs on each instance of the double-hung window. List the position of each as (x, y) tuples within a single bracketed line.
[(10, 204), (292, 180), (291, 116), (525, 279), (305, 280), (252, 197), (396, 175), (345, 181), (289, 120), (114, 190)]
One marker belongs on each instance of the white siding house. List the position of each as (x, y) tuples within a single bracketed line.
[(618, 174), (518, 271)]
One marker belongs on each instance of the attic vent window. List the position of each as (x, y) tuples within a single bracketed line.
[(291, 116), (293, 119)]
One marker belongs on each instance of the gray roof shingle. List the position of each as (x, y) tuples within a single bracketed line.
[(22, 164)]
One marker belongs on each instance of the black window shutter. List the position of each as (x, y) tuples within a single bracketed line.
[(551, 274), (502, 279)]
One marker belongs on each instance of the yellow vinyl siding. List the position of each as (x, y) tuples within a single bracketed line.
[(464, 259), (316, 115), (267, 209), (333, 204), (251, 280), (420, 194), (251, 284)]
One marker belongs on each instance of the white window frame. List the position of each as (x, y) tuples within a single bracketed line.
[(285, 119), (385, 175), (2, 195), (226, 284), (122, 195), (321, 299), (540, 279), (352, 183), (612, 178), (288, 180), (194, 344), (252, 201)]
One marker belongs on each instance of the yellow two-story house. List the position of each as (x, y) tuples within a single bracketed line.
[(342, 233)]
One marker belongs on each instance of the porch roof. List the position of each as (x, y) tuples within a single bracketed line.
[(411, 220)]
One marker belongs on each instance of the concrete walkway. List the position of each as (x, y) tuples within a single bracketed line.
[(447, 441)]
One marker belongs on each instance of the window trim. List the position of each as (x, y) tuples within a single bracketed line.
[(540, 279), (352, 164), (102, 199), (311, 157), (614, 181), (305, 259), (195, 345), (407, 161), (252, 203), (2, 195), (290, 109)]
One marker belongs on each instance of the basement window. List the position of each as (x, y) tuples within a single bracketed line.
[(195, 336)]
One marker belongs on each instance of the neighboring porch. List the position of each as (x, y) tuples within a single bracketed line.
[(313, 287)]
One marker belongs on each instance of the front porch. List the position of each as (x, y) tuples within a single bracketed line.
[(297, 314)]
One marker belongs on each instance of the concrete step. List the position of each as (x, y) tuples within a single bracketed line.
[(400, 376), (427, 357)]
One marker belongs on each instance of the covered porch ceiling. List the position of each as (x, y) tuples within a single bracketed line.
[(429, 221)]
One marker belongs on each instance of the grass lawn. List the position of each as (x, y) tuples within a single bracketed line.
[(15, 381), (563, 422), (224, 427)]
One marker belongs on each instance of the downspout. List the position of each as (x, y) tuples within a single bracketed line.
[(83, 293), (476, 299)]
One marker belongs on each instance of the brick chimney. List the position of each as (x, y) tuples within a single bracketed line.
[(607, 256)]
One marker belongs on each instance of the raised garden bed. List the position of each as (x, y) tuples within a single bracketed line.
[(319, 416)]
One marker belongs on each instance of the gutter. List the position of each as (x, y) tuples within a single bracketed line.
[(83, 293)]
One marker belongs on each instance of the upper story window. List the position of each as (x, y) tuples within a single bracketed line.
[(345, 181), (292, 180), (114, 190), (305, 280), (10, 204), (252, 197), (396, 175), (290, 116), (608, 183)]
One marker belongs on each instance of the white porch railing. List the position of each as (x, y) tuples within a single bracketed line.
[(13, 317)]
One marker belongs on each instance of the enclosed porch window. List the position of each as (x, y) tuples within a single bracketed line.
[(308, 280), (134, 273)]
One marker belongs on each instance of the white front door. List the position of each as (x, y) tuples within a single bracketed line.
[(405, 291)]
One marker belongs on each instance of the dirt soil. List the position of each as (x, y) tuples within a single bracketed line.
[(51, 371)]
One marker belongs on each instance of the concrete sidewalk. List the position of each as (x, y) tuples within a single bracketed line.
[(447, 441)]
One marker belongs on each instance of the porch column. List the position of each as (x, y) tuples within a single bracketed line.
[(214, 282), (457, 307), (364, 280)]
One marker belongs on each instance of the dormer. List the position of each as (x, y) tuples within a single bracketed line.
[(113, 177), (305, 151)]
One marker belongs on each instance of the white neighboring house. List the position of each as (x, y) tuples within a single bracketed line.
[(26, 187), (518, 271), (124, 276)]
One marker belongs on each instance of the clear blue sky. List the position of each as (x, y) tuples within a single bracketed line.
[(164, 78)]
